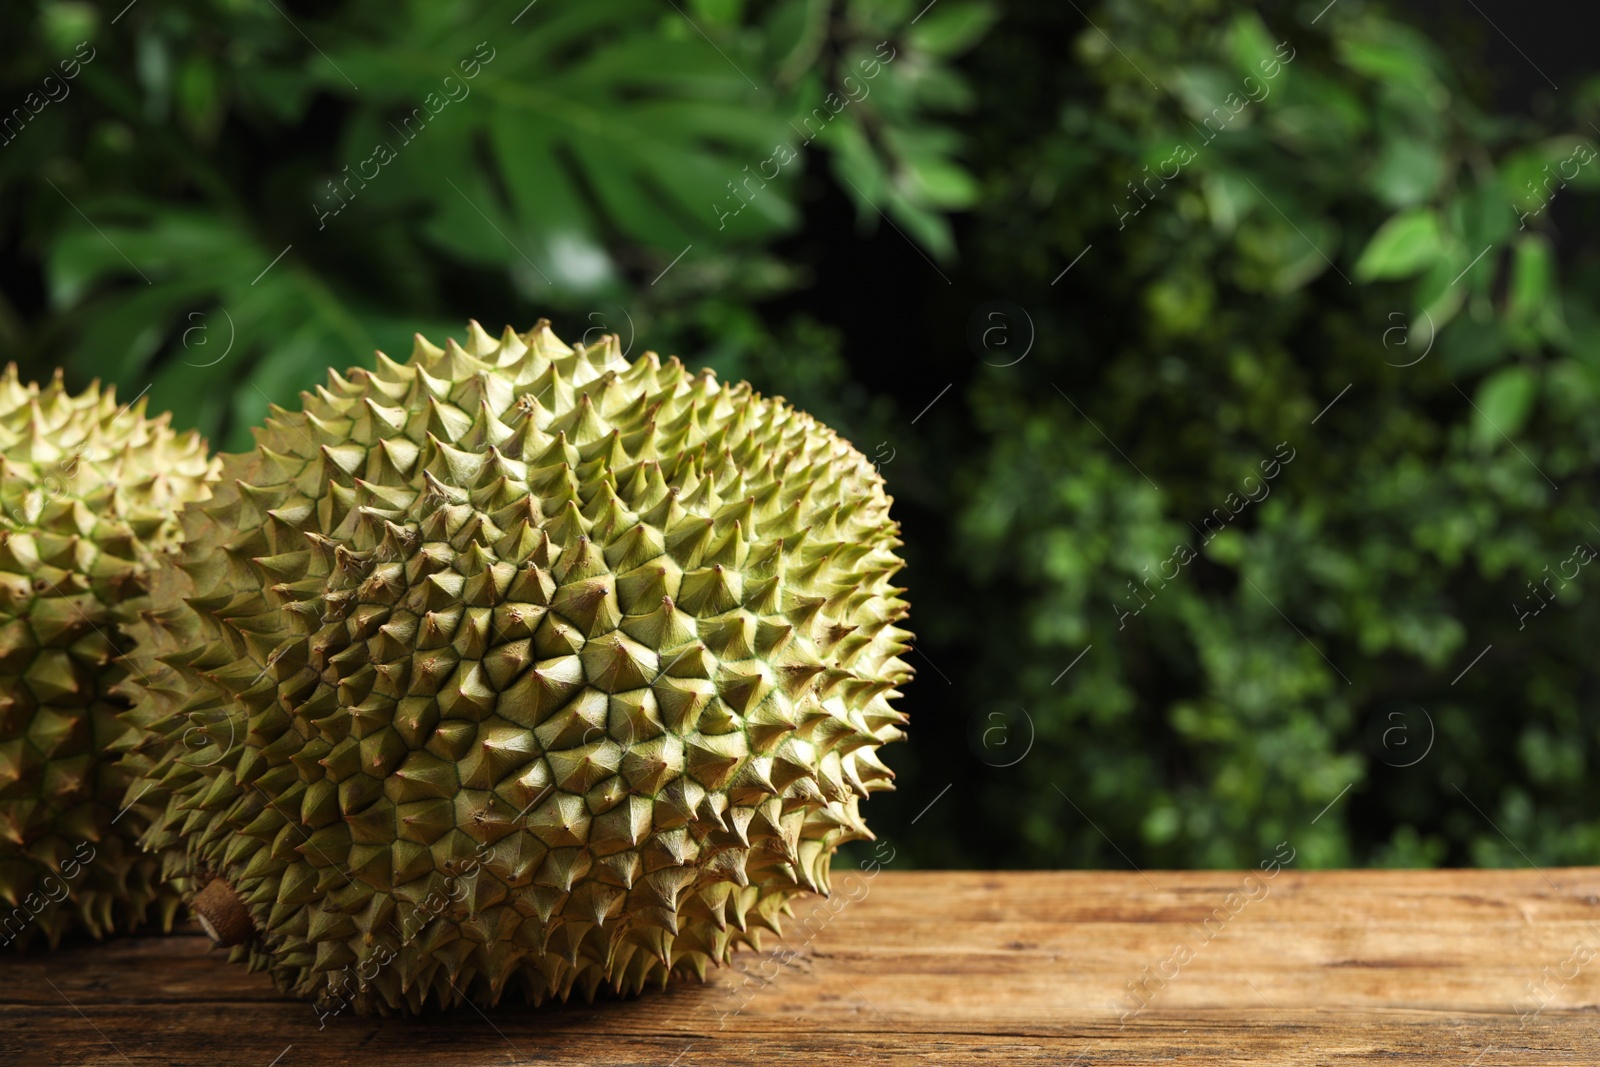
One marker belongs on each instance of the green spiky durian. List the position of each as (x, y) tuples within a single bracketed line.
[(521, 669), (89, 495)]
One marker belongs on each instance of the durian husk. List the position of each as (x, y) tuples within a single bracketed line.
[(518, 670), (89, 494)]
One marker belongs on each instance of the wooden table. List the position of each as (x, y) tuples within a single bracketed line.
[(1439, 967)]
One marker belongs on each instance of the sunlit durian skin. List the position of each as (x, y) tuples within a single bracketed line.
[(521, 669), (89, 495)]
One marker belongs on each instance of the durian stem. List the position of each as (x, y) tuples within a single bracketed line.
[(223, 914)]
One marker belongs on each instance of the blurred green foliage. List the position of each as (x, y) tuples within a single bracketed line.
[(408, 158), (1307, 423), (1310, 426)]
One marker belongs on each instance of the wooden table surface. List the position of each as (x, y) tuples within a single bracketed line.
[(1439, 967)]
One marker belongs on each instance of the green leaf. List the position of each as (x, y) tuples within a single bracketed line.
[(1436, 299), (64, 25), (940, 183), (1580, 166), (1486, 215), (720, 12), (1404, 245), (1502, 405), (793, 34), (951, 27), (581, 156), (210, 284), (1403, 60), (199, 98), (1522, 173), (1407, 171), (1567, 163), (1532, 279), (1203, 90), (1250, 43)]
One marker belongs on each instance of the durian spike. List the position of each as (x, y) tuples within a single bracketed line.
[(89, 498), (551, 671)]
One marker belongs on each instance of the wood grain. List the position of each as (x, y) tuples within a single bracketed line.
[(1478, 968)]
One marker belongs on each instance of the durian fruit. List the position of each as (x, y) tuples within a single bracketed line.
[(89, 495), (521, 670)]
